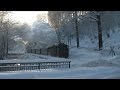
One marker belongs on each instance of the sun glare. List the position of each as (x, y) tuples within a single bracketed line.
[(27, 16)]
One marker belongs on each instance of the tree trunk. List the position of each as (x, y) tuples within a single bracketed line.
[(7, 44), (70, 38), (3, 47), (76, 28), (58, 36), (99, 32)]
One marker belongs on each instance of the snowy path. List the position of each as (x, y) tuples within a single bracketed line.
[(78, 73)]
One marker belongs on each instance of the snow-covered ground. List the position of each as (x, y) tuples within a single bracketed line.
[(86, 63), (77, 73)]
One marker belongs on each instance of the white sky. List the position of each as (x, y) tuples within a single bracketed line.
[(27, 16)]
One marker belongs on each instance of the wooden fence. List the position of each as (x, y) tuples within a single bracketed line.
[(60, 50), (18, 66)]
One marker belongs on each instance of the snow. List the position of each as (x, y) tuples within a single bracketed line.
[(19, 48), (86, 62), (78, 73), (32, 60)]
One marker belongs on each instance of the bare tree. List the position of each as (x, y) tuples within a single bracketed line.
[(2, 32), (5, 25), (76, 28), (58, 19), (55, 21), (99, 30), (95, 16)]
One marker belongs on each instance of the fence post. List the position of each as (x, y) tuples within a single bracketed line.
[(35, 51), (40, 51), (47, 51), (69, 64), (39, 66)]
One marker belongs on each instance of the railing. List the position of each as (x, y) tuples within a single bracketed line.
[(33, 65)]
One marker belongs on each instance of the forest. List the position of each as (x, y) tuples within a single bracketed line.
[(62, 27), (91, 40)]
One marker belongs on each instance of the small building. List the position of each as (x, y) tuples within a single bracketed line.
[(60, 50)]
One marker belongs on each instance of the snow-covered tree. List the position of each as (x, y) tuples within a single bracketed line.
[(5, 25), (42, 35)]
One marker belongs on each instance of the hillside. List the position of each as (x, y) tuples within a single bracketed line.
[(86, 62)]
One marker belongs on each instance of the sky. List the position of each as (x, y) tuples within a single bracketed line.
[(27, 16)]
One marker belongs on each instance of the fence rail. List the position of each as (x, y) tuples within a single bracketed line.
[(33, 65)]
